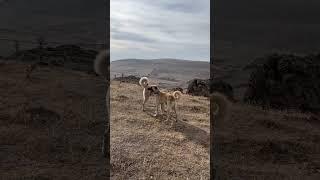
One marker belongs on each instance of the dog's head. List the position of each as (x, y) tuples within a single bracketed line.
[(154, 89)]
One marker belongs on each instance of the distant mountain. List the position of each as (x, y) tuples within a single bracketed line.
[(165, 72)]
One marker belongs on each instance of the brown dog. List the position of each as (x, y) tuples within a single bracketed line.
[(170, 100)]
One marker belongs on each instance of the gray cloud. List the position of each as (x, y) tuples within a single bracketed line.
[(157, 29), (188, 8), (121, 35)]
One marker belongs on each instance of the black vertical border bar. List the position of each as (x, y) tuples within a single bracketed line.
[(214, 157), (106, 135), (211, 76)]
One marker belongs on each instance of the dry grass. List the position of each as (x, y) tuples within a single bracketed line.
[(145, 147), (258, 144), (51, 128), (51, 125)]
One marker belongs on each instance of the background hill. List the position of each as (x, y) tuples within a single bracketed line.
[(167, 72), (173, 72)]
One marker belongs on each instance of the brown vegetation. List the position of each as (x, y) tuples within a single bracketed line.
[(265, 144), (51, 124), (143, 146)]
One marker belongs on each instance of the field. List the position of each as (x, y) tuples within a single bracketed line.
[(51, 125), (252, 143), (267, 144), (51, 128), (147, 147)]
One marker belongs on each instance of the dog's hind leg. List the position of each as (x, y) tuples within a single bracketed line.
[(162, 108), (157, 106), (168, 110)]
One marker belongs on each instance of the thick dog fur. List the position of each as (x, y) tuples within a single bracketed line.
[(144, 82), (170, 100), (147, 90)]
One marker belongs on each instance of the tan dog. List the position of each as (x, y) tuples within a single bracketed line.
[(147, 90), (170, 100)]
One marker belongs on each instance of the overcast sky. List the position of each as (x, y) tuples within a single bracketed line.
[(148, 29)]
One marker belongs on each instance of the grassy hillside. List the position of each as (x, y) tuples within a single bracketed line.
[(259, 144), (51, 125), (252, 143), (143, 146)]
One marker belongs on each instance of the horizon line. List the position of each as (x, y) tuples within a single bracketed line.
[(159, 59)]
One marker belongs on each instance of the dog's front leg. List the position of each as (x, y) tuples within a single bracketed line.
[(157, 104), (143, 105), (143, 100)]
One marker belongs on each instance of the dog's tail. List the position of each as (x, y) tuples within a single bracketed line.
[(101, 64), (144, 81), (220, 112), (177, 94)]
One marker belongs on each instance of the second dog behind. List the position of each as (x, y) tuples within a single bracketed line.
[(170, 100)]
